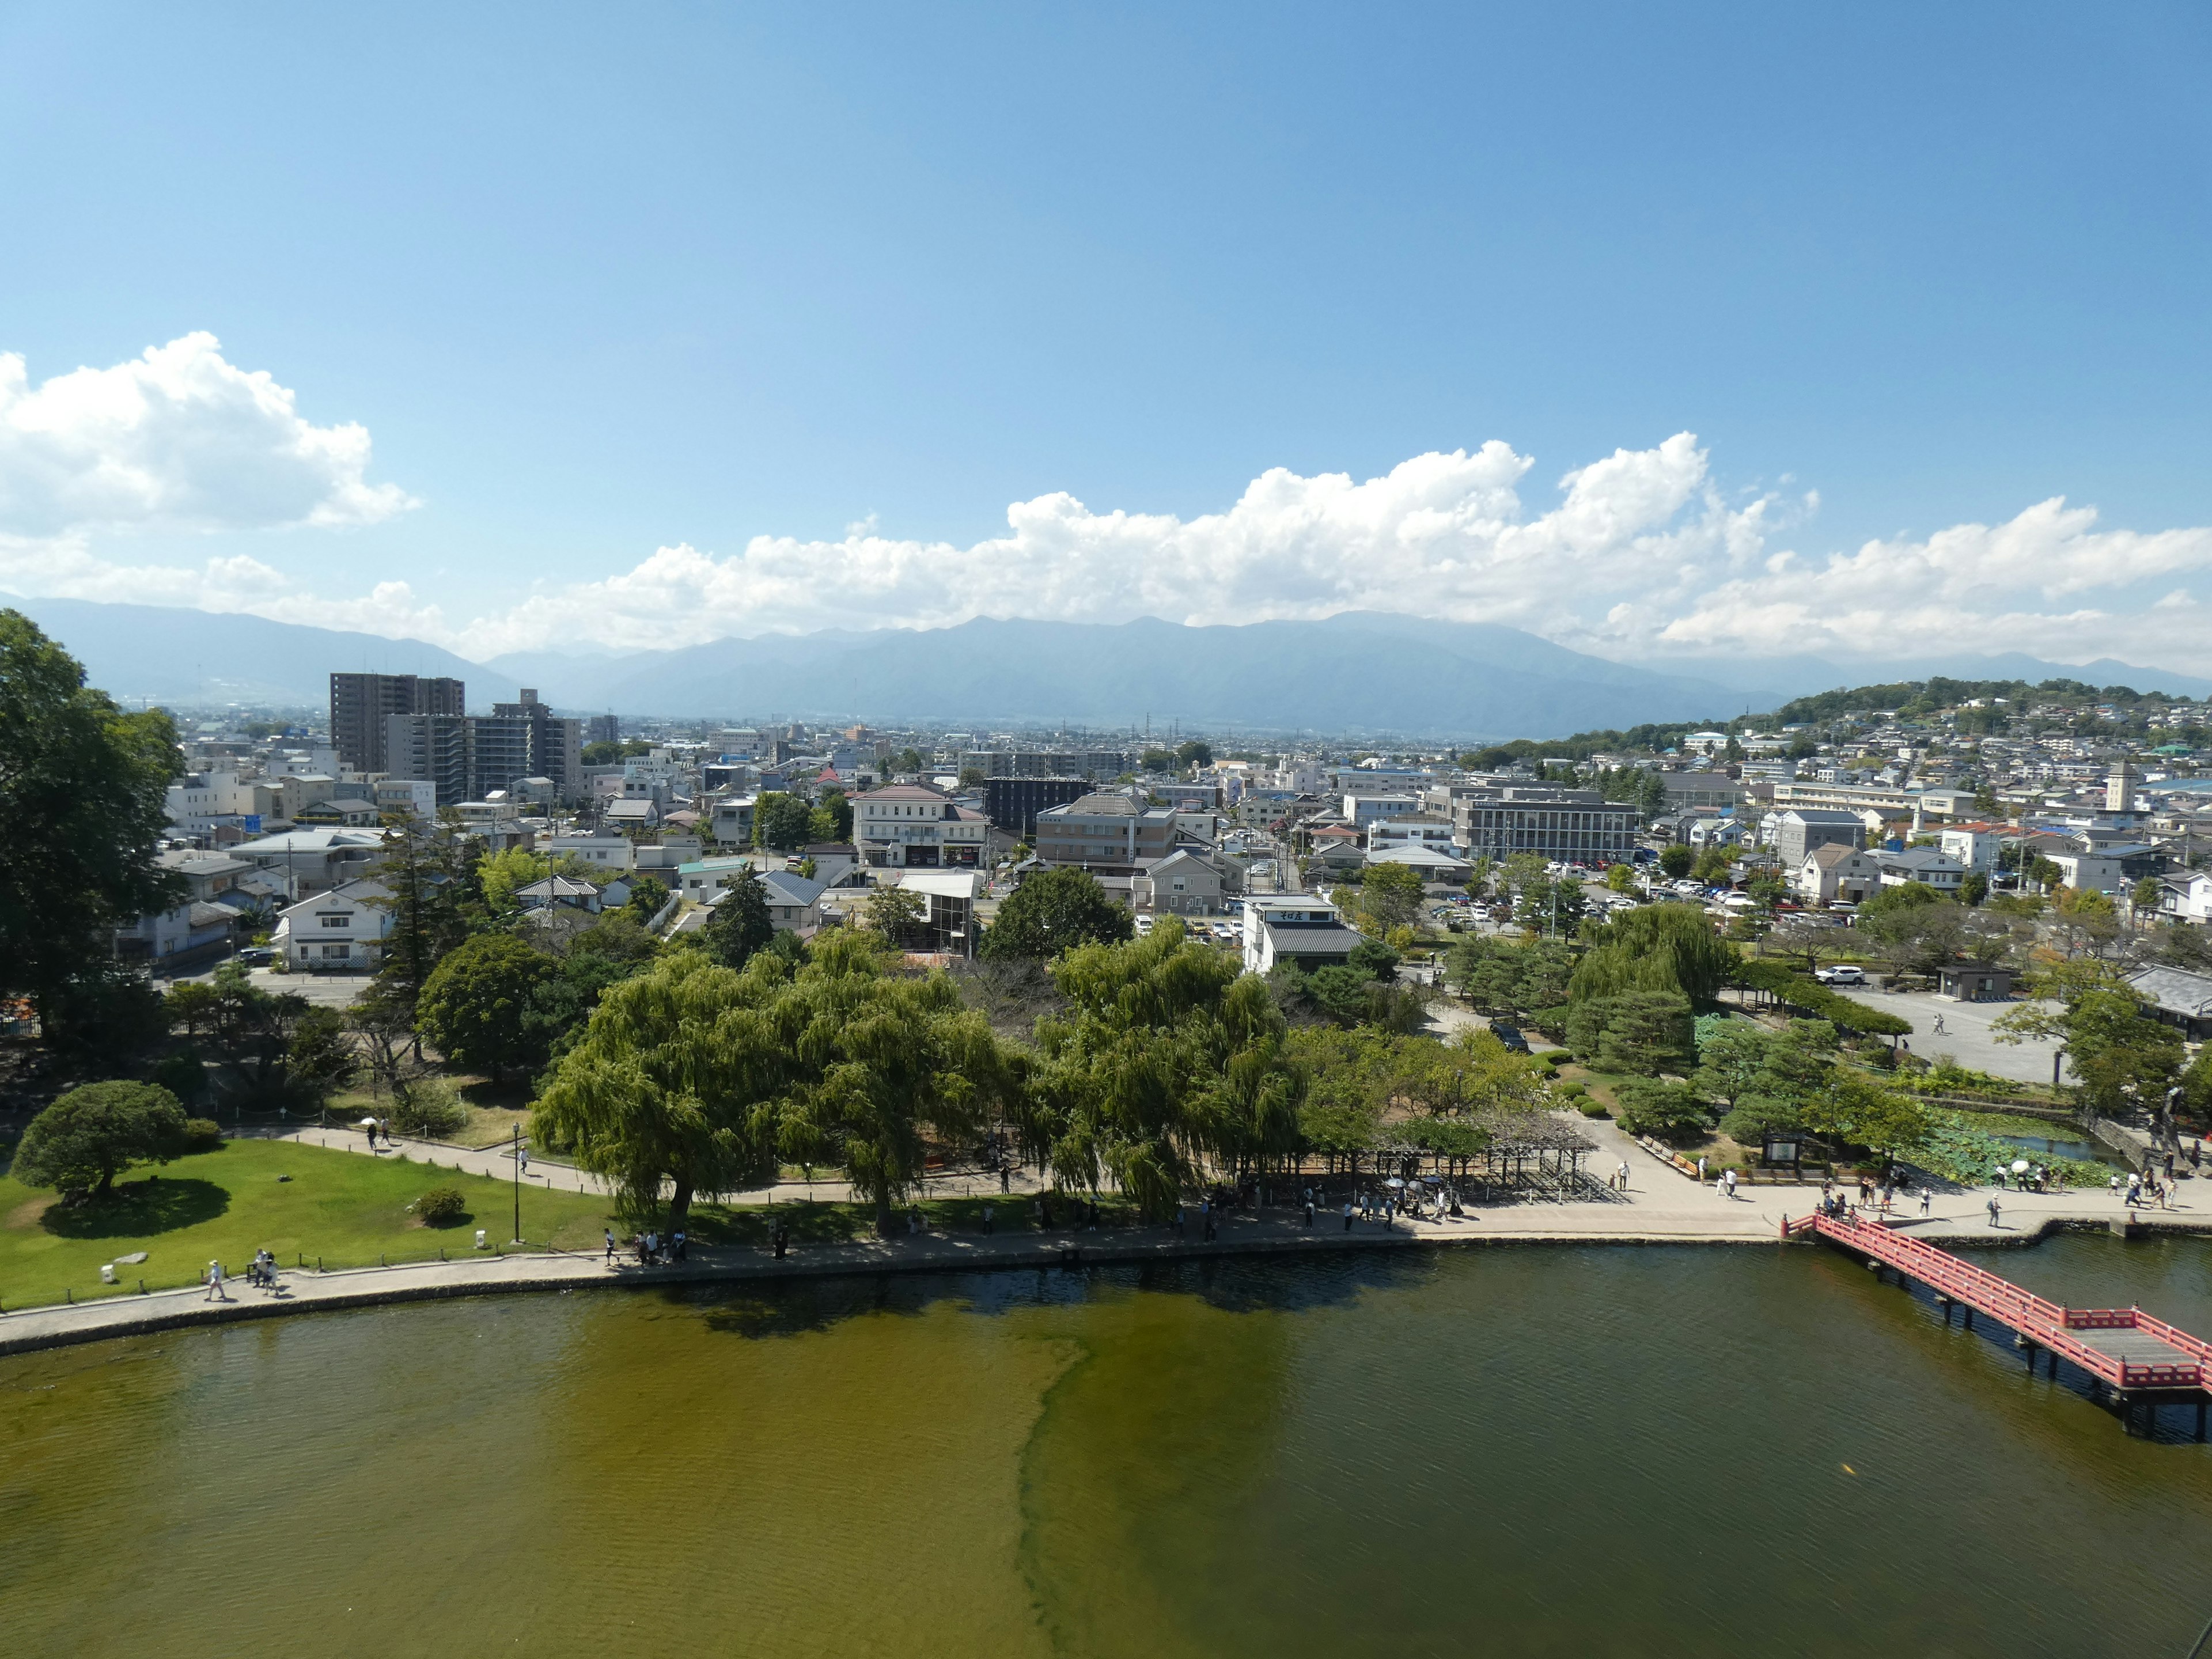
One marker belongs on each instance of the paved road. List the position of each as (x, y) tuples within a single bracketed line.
[(324, 990), (498, 1162)]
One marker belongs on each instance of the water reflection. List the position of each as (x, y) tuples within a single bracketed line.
[(1580, 1451)]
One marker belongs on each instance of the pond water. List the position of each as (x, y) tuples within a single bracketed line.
[(1545, 1451)]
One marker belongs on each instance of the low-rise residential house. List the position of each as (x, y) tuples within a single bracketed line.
[(559, 892), (314, 860), (1182, 884), (186, 936), (1974, 845), (1706, 832), (1837, 874), (794, 902), (2185, 897), (729, 821), (2090, 870), (342, 930), (836, 863), (2177, 998), (1926, 864), (1295, 927), (633, 812), (608, 853), (701, 880)]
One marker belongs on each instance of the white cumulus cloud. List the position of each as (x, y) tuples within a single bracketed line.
[(1639, 554)]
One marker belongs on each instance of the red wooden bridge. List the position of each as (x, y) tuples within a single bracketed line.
[(2138, 1359)]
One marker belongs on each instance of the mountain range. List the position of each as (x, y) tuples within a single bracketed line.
[(1352, 673)]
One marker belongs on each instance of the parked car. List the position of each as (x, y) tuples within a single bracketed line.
[(256, 956), (1509, 1036), (1844, 974)]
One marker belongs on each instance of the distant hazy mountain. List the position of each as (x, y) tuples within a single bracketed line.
[(165, 654), (1356, 672), (1350, 673)]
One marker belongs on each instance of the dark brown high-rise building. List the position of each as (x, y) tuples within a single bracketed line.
[(360, 704)]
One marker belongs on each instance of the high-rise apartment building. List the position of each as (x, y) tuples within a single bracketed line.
[(360, 704), (468, 756)]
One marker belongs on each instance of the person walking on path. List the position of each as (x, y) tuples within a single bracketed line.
[(1926, 1198), (1347, 1215), (680, 1256), (215, 1291), (610, 1232), (522, 1159), (1310, 1208), (1701, 1168), (990, 1219), (1623, 1174), (1996, 1211)]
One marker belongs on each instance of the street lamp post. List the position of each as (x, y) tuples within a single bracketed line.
[(518, 1183)]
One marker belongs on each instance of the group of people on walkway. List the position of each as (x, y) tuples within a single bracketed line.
[(260, 1271), (653, 1248)]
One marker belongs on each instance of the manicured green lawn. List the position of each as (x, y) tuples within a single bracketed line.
[(345, 1208)]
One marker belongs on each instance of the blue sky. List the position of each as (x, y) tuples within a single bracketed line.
[(602, 281)]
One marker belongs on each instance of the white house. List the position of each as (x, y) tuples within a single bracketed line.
[(342, 930), (2185, 897), (597, 852), (702, 879), (1418, 829), (908, 826), (1974, 845), (1362, 810), (2093, 871)]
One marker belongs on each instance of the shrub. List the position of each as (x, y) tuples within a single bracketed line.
[(202, 1134), (441, 1207), (1573, 1091), (1591, 1108), (428, 1112)]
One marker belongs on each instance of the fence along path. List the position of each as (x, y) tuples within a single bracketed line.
[(2129, 1351)]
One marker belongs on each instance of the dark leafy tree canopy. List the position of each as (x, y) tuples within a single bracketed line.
[(84, 794), (476, 1006), (1052, 911), (81, 1143)]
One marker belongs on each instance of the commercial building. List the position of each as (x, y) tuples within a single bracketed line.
[(1111, 832), (1575, 826), (909, 826), (1092, 764), (1686, 791), (360, 705)]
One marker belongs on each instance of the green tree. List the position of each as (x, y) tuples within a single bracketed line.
[(890, 1063), (436, 900), (1855, 1109), (81, 1143), (1051, 911), (476, 1006), (1711, 867), (83, 792), (740, 924), (1193, 753), (897, 915), (1642, 1033), (1391, 895), (1169, 1061), (320, 1058), (502, 875), (1661, 947), (646, 895), (674, 1083), (1675, 860), (1651, 796), (1974, 889), (1621, 879), (1649, 1107), (832, 817), (782, 822)]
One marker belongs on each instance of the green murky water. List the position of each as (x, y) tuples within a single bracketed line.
[(1525, 1452)]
